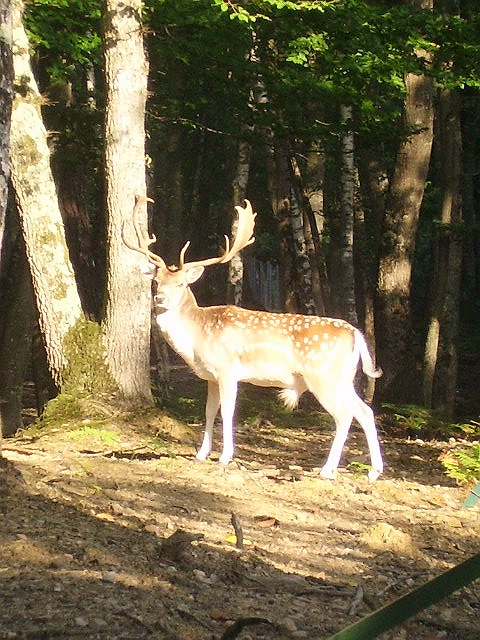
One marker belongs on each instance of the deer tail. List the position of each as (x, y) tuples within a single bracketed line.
[(361, 348)]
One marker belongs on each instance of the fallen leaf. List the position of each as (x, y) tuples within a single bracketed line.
[(266, 521)]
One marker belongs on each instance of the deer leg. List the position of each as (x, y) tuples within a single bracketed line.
[(364, 415), (329, 469), (211, 410), (335, 396), (341, 410), (228, 397)]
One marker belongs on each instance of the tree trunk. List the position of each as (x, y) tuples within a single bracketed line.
[(6, 98), (303, 269), (173, 201), (303, 230), (373, 181), (72, 122), (18, 317), (471, 249), (295, 287), (72, 199), (278, 191), (53, 280), (369, 213), (440, 361), (126, 324), (240, 182), (314, 192), (393, 320), (346, 289), (366, 268)]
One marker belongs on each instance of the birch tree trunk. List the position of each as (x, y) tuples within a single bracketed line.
[(295, 272), (56, 296), (393, 320), (240, 182), (127, 319), (346, 290)]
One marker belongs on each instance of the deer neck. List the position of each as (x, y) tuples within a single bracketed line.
[(178, 326)]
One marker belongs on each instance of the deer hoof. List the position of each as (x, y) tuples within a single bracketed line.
[(373, 474), (328, 474), (225, 460)]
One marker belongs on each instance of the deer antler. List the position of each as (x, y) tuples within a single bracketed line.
[(243, 237), (144, 241)]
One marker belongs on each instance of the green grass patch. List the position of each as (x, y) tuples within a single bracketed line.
[(359, 467), (96, 433)]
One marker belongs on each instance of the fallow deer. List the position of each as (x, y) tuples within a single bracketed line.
[(225, 345)]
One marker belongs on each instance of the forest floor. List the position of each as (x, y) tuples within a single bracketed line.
[(109, 529)]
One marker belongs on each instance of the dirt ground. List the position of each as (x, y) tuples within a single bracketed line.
[(110, 529)]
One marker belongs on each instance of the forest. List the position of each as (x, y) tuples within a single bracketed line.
[(352, 127)]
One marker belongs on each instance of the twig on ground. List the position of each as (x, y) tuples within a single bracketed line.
[(238, 531), (356, 601)]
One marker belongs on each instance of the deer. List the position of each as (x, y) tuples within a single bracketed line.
[(227, 344)]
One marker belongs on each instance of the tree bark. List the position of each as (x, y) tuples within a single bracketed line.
[(314, 192), (366, 269), (72, 199), (278, 186), (6, 98), (393, 320), (346, 291), (440, 360), (295, 272), (303, 267), (53, 279), (126, 324), (471, 248), (240, 182), (18, 317)]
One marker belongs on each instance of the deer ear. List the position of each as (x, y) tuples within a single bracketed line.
[(193, 274)]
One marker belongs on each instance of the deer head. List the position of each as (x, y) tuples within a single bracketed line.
[(170, 283)]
